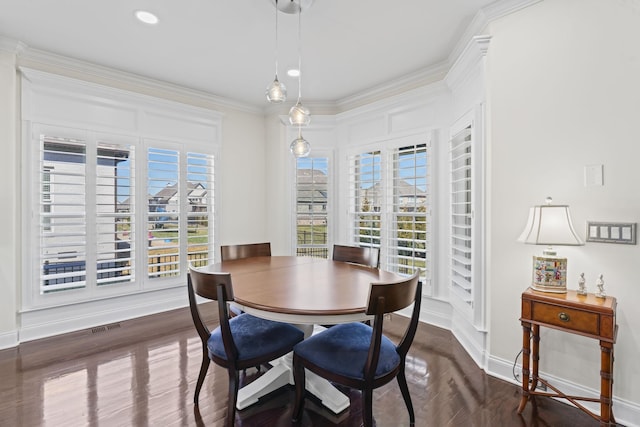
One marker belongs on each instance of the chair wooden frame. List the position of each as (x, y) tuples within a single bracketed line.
[(383, 298), (248, 250), (218, 287), (229, 252), (366, 256)]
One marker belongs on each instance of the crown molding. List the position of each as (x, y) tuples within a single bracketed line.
[(475, 50), (38, 59), (442, 70), (483, 18), (397, 102), (11, 45), (407, 82), (447, 69)]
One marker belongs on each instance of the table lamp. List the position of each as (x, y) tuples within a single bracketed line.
[(550, 225)]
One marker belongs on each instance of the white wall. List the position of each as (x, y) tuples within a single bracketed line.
[(564, 92), (243, 188), (9, 216)]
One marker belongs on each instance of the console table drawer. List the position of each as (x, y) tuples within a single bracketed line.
[(564, 317)]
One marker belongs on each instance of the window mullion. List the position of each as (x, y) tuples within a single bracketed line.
[(90, 212)]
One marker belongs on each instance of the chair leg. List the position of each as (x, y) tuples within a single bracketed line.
[(367, 407), (204, 367), (233, 396), (298, 380), (402, 383)]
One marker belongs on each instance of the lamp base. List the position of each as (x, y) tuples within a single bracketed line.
[(549, 274)]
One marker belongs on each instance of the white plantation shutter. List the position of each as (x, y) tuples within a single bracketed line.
[(461, 215), (62, 212), (366, 198), (115, 225), (391, 205), (112, 212), (163, 189), (200, 204), (88, 209), (409, 229)]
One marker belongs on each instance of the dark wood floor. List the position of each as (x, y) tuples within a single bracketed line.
[(143, 372)]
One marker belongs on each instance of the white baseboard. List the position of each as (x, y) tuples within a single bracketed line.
[(626, 412), (8, 339), (59, 320), (436, 312), (473, 341)]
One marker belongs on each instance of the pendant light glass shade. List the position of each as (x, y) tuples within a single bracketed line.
[(276, 92), (300, 147), (299, 115)]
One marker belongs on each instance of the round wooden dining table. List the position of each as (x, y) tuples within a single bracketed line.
[(302, 291)]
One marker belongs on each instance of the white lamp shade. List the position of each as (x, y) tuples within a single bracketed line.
[(550, 225)]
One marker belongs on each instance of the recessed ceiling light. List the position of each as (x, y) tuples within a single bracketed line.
[(146, 17), (293, 72)]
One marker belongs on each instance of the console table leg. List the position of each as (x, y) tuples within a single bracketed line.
[(606, 383), (526, 355), (535, 356)]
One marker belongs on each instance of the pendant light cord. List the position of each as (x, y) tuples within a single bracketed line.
[(299, 50), (276, 39)]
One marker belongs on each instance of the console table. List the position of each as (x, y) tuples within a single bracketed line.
[(585, 315)]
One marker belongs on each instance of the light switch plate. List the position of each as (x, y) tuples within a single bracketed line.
[(593, 175), (611, 232)]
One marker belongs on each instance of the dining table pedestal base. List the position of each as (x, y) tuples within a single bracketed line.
[(281, 374)]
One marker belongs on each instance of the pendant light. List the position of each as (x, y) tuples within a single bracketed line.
[(299, 115), (300, 147), (276, 92)]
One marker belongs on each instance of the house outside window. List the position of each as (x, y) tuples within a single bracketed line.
[(312, 191)]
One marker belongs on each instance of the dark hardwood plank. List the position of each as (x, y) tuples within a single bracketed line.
[(142, 373)]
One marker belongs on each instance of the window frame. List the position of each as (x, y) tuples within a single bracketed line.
[(388, 148), (54, 104), (470, 305), (327, 155)]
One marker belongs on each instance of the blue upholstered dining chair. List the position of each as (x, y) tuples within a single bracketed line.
[(238, 343), (359, 356)]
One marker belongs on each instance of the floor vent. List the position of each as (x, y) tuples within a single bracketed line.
[(106, 328)]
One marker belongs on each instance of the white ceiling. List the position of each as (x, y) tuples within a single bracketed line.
[(227, 47)]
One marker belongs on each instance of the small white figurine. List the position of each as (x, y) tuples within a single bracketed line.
[(600, 293), (582, 289)]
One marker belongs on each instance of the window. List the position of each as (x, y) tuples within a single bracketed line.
[(163, 177), (408, 227), (366, 198), (118, 199), (115, 225), (62, 219), (461, 215), (466, 288), (90, 233), (46, 198), (390, 205), (312, 190)]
